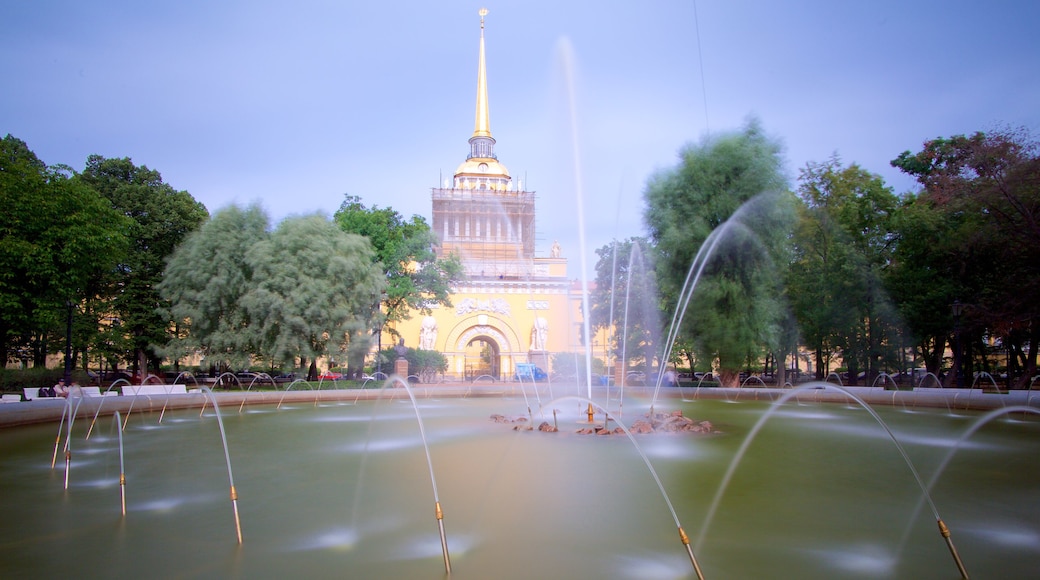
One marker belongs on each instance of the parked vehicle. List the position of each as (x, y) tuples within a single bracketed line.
[(529, 372)]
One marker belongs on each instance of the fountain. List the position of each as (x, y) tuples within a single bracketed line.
[(820, 491)]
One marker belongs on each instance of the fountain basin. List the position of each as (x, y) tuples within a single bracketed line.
[(342, 487)]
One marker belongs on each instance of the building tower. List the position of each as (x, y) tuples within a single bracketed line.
[(512, 307), (480, 216)]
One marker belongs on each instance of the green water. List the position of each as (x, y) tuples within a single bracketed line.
[(344, 491)]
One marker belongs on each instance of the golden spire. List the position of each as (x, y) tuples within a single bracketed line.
[(483, 123)]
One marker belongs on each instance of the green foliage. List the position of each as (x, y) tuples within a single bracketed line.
[(712, 180), (242, 293), (570, 364), (736, 310), (404, 250), (428, 365), (56, 236), (160, 217), (314, 291), (14, 380), (625, 299), (204, 283), (924, 277), (984, 190), (842, 246)]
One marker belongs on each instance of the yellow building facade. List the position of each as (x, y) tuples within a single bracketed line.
[(514, 306)]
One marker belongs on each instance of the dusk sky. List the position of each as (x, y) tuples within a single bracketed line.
[(295, 104)]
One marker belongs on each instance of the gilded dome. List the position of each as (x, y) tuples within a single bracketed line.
[(481, 167)]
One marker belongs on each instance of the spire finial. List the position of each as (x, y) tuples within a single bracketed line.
[(483, 122)]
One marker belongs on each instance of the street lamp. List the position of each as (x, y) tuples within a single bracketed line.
[(957, 309)]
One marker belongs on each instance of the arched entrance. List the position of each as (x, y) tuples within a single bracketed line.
[(481, 345), (483, 358)]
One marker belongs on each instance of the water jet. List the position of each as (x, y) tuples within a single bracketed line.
[(524, 505)]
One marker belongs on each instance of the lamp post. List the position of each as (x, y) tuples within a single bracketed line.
[(958, 376)]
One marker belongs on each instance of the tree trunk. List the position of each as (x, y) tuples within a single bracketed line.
[(1030, 363), (729, 378), (933, 356), (853, 374), (141, 364), (781, 370), (38, 344), (819, 363)]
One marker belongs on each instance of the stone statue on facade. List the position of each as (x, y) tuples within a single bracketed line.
[(428, 333), (540, 334), (555, 251)]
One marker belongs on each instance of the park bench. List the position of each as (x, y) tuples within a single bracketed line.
[(153, 390), (32, 393)]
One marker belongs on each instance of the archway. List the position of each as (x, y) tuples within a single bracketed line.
[(482, 358), (474, 336)]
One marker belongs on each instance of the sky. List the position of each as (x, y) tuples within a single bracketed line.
[(294, 105)]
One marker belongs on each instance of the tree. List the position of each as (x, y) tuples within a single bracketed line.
[(425, 364), (625, 299), (204, 283), (736, 307), (243, 294), (923, 276), (415, 278), (572, 366), (988, 185), (315, 291), (160, 217), (55, 235), (842, 246)]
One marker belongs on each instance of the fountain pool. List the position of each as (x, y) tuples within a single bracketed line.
[(344, 489)]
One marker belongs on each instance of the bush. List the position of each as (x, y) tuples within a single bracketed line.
[(570, 364), (14, 380), (426, 364)]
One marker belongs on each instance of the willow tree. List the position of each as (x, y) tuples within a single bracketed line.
[(315, 292), (736, 311), (244, 294), (204, 283)]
